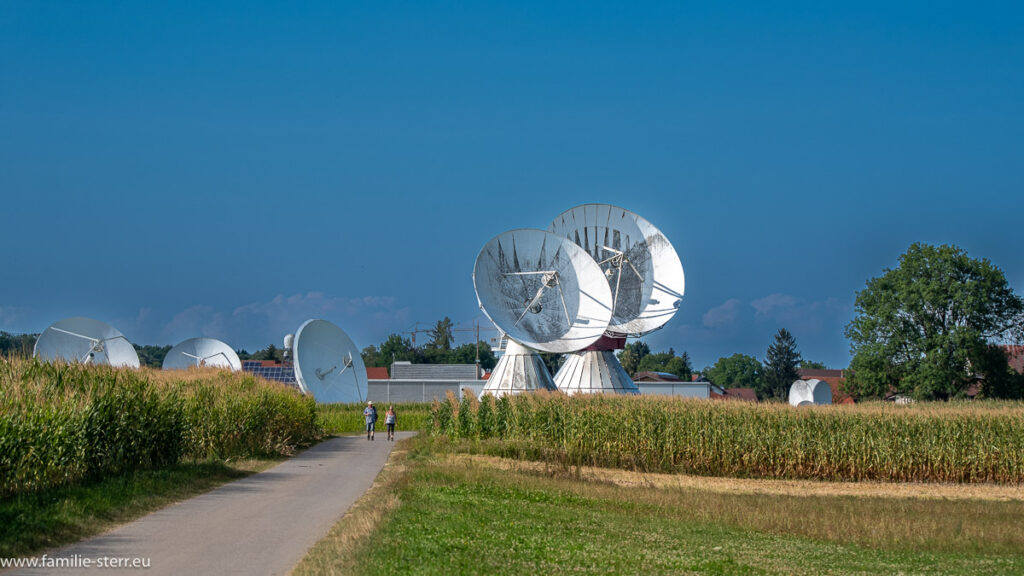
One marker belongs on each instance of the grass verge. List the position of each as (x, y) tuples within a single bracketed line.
[(35, 521), (444, 514), (337, 552)]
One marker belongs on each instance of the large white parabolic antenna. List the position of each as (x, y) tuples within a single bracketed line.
[(328, 364), (642, 268), (202, 352), (542, 291), (87, 341), (545, 293), (810, 393)]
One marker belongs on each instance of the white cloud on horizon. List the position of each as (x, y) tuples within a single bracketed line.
[(260, 323)]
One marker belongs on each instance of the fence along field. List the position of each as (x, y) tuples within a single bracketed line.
[(62, 424), (956, 442)]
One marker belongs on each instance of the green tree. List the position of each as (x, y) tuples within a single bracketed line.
[(666, 362), (151, 356), (466, 354), (812, 365), (441, 335), (395, 348), (738, 371), (780, 365), (632, 354), (17, 344), (927, 327), (552, 361), (271, 352)]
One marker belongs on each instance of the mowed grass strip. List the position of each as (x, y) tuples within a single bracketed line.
[(458, 517), (36, 521)]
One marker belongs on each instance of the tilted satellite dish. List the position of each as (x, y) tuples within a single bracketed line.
[(640, 264), (810, 393), (646, 280), (202, 352), (545, 293), (87, 341), (328, 364)]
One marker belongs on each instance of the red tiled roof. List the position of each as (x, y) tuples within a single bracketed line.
[(376, 373), (747, 394), (806, 373)]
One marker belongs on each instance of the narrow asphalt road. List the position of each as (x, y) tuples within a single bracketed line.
[(262, 524)]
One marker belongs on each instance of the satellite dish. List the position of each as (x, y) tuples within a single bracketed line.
[(820, 391), (328, 364), (809, 393), (202, 352), (543, 291), (86, 341), (642, 268)]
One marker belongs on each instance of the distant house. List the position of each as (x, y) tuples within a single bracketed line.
[(835, 379), (377, 373), (1015, 357), (666, 384), (739, 394), (656, 377)]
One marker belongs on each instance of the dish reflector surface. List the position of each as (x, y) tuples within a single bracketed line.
[(328, 364), (810, 392), (87, 341), (202, 352), (541, 290), (642, 268)]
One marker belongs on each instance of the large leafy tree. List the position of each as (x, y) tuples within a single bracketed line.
[(927, 328), (738, 371), (780, 365)]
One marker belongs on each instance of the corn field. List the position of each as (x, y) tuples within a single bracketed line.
[(346, 418), (66, 423), (955, 442)]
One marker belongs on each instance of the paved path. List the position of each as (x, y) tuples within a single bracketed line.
[(262, 524)]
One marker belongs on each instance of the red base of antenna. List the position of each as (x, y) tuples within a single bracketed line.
[(607, 342)]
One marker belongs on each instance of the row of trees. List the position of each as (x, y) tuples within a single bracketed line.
[(437, 350), (769, 379), (637, 357)]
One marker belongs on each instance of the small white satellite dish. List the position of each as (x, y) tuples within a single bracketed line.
[(87, 341), (642, 268), (289, 341), (810, 393), (328, 364), (542, 290), (202, 352)]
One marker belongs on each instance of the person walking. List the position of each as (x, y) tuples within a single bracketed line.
[(390, 419), (371, 419)]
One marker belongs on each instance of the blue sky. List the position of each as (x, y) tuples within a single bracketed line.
[(231, 171)]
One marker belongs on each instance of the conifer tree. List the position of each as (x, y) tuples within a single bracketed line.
[(780, 364)]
